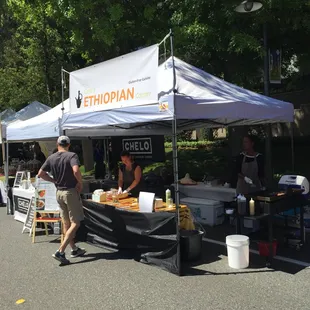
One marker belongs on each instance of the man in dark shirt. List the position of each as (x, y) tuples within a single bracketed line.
[(64, 169)]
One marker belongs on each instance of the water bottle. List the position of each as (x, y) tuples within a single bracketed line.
[(168, 195), (242, 205), (238, 203), (56, 228)]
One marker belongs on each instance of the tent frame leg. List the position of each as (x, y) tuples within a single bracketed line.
[(291, 127), (9, 203), (175, 160)]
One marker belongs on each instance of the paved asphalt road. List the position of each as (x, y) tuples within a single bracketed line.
[(100, 281)]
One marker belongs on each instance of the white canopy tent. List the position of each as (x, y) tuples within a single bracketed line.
[(41, 127), (188, 97), (200, 99), (6, 113), (31, 110), (3, 117)]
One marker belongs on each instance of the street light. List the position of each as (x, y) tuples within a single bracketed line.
[(252, 6), (248, 6)]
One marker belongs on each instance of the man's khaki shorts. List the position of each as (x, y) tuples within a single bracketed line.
[(71, 205)]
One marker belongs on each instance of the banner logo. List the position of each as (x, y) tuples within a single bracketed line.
[(79, 100), (163, 106)]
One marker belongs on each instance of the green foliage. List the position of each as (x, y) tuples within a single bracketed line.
[(197, 144), (88, 173), (37, 37)]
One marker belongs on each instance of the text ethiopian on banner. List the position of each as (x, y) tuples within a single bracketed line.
[(128, 80)]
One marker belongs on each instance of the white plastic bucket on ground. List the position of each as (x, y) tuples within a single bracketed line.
[(238, 251)]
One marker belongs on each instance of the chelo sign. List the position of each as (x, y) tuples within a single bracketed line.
[(138, 146)]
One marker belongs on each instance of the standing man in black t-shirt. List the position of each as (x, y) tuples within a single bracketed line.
[(64, 167)]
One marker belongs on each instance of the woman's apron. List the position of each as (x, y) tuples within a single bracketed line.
[(249, 170)]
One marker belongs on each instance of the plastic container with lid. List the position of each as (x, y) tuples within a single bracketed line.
[(168, 195), (238, 251), (241, 201)]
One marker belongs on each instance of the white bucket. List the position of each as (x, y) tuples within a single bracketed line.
[(238, 251)]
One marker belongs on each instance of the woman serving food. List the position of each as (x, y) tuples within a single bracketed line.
[(250, 167), (129, 176)]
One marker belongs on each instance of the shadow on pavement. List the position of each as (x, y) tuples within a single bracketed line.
[(91, 257), (212, 253)]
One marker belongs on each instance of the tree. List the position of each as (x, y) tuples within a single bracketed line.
[(229, 45), (38, 37)]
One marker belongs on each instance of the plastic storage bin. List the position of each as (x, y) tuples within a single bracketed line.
[(209, 212), (238, 251)]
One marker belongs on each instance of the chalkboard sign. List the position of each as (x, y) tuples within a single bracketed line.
[(18, 178), (30, 216)]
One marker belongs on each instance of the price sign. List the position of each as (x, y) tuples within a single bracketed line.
[(18, 178), (46, 196)]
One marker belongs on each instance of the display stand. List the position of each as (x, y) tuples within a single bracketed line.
[(45, 218), (30, 216), (21, 202), (45, 204)]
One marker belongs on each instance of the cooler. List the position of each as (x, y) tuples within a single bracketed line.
[(294, 181), (209, 212)]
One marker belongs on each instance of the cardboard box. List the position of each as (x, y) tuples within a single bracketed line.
[(102, 197)]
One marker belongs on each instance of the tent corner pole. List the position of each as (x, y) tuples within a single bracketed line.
[(175, 159), (9, 203), (291, 126), (62, 92)]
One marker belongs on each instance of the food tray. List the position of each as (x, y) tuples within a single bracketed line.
[(119, 196), (271, 197)]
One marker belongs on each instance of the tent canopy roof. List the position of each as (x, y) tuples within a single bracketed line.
[(6, 113), (40, 127), (200, 100), (31, 110)]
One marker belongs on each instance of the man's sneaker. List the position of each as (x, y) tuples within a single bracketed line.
[(77, 252), (61, 258)]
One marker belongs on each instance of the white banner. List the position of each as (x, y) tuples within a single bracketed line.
[(128, 80)]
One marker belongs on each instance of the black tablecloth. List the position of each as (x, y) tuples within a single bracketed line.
[(151, 237)]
